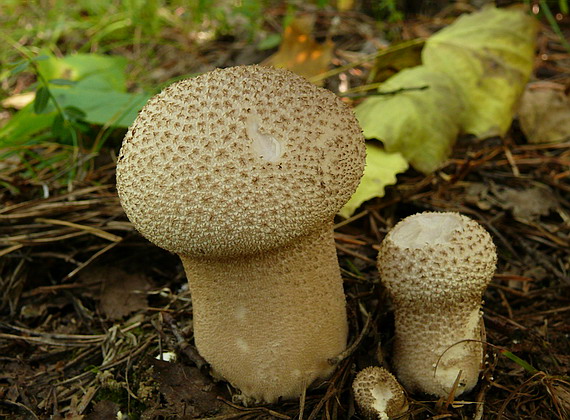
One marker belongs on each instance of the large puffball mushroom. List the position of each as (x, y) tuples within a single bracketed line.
[(240, 172), (436, 267), (378, 395)]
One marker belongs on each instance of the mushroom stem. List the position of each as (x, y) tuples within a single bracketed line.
[(268, 322), (451, 346)]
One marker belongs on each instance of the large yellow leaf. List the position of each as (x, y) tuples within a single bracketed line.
[(489, 55), (381, 170), (419, 120), (473, 74)]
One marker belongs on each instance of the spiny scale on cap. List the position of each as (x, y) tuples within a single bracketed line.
[(254, 155)]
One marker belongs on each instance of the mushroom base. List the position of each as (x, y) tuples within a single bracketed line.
[(268, 323), (432, 348)]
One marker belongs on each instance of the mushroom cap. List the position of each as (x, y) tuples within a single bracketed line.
[(238, 161), (378, 394), (437, 258)]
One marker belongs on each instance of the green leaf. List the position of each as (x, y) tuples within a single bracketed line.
[(24, 124), (525, 365), (421, 124), (57, 126), (381, 170), (113, 108), (489, 55), (62, 130), (62, 82), (73, 113), (20, 67), (41, 100), (270, 41), (87, 87), (95, 70), (101, 107)]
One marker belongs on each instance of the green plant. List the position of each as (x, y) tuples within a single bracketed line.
[(388, 10), (549, 16), (79, 100)]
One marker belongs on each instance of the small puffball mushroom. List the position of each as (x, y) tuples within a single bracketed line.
[(436, 267), (240, 172), (378, 395)]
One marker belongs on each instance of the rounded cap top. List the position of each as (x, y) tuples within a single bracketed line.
[(238, 161), (378, 394), (435, 257)]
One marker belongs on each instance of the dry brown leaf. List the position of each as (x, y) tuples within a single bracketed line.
[(561, 393), (300, 52), (122, 293), (103, 410), (189, 394), (544, 113), (528, 204)]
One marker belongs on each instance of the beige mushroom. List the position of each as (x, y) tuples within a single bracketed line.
[(378, 395), (436, 267), (240, 172)]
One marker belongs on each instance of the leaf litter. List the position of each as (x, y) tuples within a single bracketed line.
[(544, 112), (65, 356)]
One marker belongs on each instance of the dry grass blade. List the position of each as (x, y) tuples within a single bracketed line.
[(58, 339), (89, 229)]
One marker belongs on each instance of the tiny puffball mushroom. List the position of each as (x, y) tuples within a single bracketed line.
[(378, 395), (436, 267), (240, 172)]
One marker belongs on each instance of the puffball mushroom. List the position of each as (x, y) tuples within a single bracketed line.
[(378, 395), (436, 267), (240, 172)]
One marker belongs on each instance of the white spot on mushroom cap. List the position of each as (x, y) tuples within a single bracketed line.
[(433, 228), (381, 396), (265, 145)]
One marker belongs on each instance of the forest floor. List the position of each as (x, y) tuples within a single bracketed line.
[(87, 304)]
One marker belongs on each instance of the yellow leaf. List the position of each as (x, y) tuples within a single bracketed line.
[(489, 55), (344, 5), (299, 52), (381, 170), (419, 120)]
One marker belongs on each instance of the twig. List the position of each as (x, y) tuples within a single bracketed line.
[(350, 349)]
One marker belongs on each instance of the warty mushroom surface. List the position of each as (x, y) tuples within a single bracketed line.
[(436, 267), (240, 172), (378, 395)]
